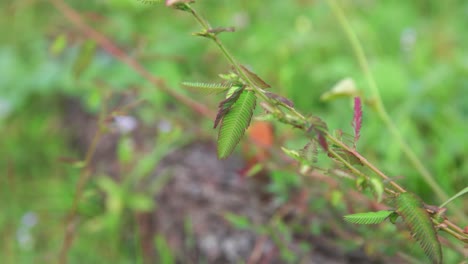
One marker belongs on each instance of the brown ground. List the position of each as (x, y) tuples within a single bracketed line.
[(199, 190)]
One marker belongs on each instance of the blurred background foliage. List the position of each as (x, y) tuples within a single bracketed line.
[(417, 51)]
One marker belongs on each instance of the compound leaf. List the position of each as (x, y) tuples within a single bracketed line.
[(208, 88), (235, 122), (368, 218), (411, 209)]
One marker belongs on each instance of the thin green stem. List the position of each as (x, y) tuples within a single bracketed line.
[(206, 26), (379, 107), (70, 225), (366, 162)]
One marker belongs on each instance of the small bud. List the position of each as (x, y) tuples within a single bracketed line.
[(179, 4)]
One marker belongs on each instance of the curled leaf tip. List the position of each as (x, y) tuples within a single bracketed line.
[(178, 3)]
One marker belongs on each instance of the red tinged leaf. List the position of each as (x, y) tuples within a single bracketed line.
[(280, 99), (357, 119), (322, 140), (226, 105), (254, 78)]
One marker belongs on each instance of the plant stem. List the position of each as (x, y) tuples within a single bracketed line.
[(206, 26), (70, 227), (365, 162)]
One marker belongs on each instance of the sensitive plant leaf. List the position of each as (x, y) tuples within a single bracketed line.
[(280, 99), (357, 119), (368, 218), (317, 123), (149, 2), (292, 154), (226, 104), (254, 78), (322, 140), (344, 88), (411, 209), (230, 77), (348, 156), (208, 88), (235, 122), (232, 90), (344, 137), (310, 152), (318, 127)]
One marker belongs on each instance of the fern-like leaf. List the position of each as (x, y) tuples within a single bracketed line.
[(235, 122), (368, 218), (208, 88), (149, 2), (411, 209)]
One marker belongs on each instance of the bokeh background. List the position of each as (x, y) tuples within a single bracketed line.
[(56, 83)]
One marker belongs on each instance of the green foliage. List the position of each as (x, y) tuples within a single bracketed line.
[(38, 53), (164, 250), (411, 209), (238, 221), (208, 88), (224, 106), (368, 218), (235, 122), (460, 193)]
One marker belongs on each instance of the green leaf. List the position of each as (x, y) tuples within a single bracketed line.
[(84, 58), (149, 2), (59, 44), (292, 154), (235, 122), (368, 218), (411, 209), (208, 88), (140, 202), (234, 89), (378, 188), (238, 221), (165, 254)]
